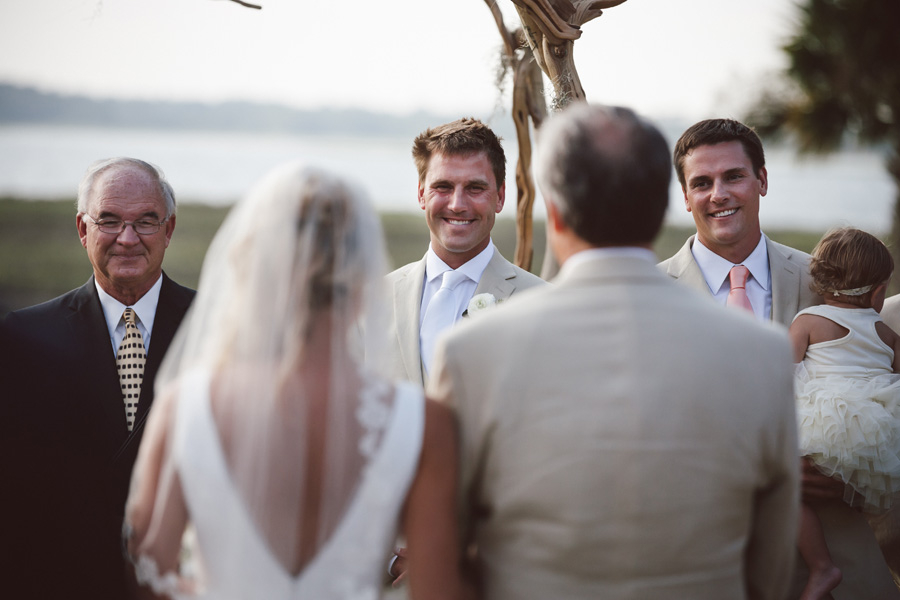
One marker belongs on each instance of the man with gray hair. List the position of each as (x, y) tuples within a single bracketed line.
[(615, 441), (78, 380)]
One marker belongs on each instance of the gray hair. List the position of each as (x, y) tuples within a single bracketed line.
[(607, 171), (86, 187)]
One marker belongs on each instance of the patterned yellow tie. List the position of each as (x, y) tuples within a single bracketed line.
[(130, 360)]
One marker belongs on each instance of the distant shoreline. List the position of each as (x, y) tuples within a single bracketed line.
[(31, 106), (215, 168)]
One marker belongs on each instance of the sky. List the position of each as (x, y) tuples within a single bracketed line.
[(664, 58)]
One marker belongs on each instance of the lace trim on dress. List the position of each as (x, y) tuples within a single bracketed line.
[(148, 573), (169, 584), (373, 414)]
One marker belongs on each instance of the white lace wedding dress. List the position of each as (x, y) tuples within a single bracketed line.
[(350, 565)]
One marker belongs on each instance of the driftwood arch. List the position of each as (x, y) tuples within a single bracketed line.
[(545, 42)]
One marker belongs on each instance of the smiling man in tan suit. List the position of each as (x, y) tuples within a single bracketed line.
[(721, 167), (887, 526), (462, 170), (616, 441)]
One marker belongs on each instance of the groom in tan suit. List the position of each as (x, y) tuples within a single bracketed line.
[(721, 167), (619, 436), (887, 526), (462, 171)]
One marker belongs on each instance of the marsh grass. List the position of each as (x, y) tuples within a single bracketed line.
[(41, 256)]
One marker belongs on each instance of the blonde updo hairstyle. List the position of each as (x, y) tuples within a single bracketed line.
[(849, 259), (304, 247)]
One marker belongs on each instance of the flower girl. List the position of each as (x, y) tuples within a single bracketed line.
[(847, 387)]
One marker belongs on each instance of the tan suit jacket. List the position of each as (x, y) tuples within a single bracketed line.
[(850, 541), (789, 270), (404, 358), (616, 443), (890, 313), (887, 526)]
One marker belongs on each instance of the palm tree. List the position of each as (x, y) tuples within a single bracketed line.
[(842, 83)]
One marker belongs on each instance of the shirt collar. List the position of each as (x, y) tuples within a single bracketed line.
[(473, 268), (145, 308), (715, 269), (598, 253)]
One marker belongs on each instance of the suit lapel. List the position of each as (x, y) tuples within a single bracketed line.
[(98, 365), (785, 284), (407, 304), (497, 278), (684, 268)]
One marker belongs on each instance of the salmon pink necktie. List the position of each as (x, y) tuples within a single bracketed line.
[(738, 294)]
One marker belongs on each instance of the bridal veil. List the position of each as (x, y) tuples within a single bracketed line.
[(288, 304)]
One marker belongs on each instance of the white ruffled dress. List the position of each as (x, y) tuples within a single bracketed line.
[(847, 408)]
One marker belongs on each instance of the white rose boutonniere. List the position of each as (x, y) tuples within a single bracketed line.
[(480, 302)]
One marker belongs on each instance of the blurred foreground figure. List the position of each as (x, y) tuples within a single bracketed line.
[(286, 461), (78, 376), (616, 441)]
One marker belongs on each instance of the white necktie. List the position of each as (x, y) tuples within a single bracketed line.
[(130, 360), (442, 312)]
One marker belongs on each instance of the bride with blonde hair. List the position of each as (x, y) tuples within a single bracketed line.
[(276, 463)]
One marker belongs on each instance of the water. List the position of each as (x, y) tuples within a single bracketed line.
[(219, 167)]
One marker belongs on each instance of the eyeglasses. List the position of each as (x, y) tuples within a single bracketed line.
[(117, 226)]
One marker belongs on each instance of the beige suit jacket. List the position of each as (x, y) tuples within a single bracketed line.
[(617, 443), (404, 358), (890, 313), (851, 543), (789, 270), (887, 526)]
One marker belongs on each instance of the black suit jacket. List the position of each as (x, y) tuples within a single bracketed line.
[(66, 454)]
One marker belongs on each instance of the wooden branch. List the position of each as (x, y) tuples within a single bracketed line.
[(521, 112), (533, 35), (552, 18), (247, 4), (562, 73), (586, 10), (525, 189), (509, 43), (540, 21), (537, 104)]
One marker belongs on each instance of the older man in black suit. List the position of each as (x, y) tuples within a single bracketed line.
[(78, 378)]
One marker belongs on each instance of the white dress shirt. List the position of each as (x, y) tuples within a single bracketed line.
[(715, 270), (144, 309), (434, 271)]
